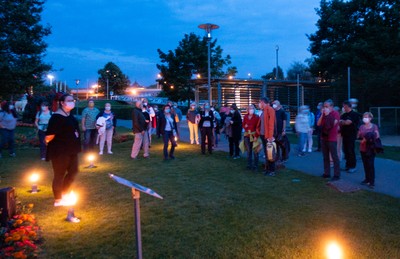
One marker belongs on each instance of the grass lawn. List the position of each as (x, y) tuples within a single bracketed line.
[(212, 208)]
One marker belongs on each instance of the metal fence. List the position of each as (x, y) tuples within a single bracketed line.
[(388, 119)]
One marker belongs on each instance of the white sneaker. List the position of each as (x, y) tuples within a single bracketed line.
[(110, 152), (310, 150), (59, 203), (101, 153)]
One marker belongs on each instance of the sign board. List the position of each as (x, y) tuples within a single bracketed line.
[(136, 186)]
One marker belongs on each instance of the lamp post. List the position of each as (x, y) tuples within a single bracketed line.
[(50, 77), (208, 27), (107, 71), (77, 81), (276, 72)]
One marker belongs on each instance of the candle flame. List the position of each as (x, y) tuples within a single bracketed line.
[(70, 199), (333, 251), (91, 158), (34, 177)]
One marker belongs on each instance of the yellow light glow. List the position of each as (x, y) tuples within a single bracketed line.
[(133, 91), (70, 199), (91, 158), (333, 251), (198, 76), (34, 177), (230, 77), (176, 138)]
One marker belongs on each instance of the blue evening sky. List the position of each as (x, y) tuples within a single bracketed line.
[(88, 34)]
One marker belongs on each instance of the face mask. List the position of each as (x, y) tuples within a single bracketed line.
[(366, 120), (251, 111), (274, 106), (11, 107), (192, 107), (167, 110), (175, 106), (326, 110), (260, 105), (306, 111), (91, 104), (144, 104), (207, 107), (232, 111), (155, 109), (212, 109), (108, 108), (70, 105), (319, 107), (44, 108)]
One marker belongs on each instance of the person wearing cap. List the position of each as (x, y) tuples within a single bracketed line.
[(88, 122), (192, 118), (265, 129)]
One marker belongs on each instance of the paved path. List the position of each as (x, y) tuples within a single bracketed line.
[(387, 171)]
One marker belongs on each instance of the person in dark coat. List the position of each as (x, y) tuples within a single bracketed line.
[(206, 126), (236, 135), (168, 128)]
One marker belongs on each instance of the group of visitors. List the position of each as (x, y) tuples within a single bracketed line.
[(262, 130)]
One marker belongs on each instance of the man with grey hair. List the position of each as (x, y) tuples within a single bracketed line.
[(139, 127)]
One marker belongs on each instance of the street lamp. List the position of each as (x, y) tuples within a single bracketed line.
[(107, 71), (276, 72), (77, 81), (50, 77), (208, 27)]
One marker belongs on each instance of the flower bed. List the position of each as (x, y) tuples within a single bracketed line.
[(21, 237)]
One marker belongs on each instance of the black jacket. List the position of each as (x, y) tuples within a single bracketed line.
[(204, 117), (161, 123), (138, 120)]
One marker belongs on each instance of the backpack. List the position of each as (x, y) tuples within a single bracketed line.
[(271, 151)]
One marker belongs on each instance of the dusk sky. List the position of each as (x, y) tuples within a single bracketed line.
[(88, 34)]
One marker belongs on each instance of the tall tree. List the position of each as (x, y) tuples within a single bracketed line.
[(191, 57), (362, 35), (272, 75), (298, 68), (21, 46), (117, 81)]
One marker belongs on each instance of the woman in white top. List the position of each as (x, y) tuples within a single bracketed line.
[(41, 123)]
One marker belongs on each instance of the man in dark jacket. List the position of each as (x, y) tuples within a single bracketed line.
[(349, 122), (139, 127)]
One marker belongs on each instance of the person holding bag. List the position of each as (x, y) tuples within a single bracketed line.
[(368, 133), (167, 127)]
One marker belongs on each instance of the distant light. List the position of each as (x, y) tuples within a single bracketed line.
[(198, 76), (50, 76), (172, 87), (333, 251), (158, 75), (230, 77)]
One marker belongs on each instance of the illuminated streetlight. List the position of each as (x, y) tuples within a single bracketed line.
[(50, 77), (208, 27), (198, 75), (276, 72)]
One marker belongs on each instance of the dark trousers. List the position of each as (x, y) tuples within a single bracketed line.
[(318, 133), (330, 148), (206, 132), (349, 151), (7, 137), (42, 143), (369, 167), (234, 146), (89, 139), (282, 153), (61, 181), (269, 165), (250, 153), (169, 137)]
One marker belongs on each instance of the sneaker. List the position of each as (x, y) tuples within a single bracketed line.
[(172, 157), (59, 203), (371, 185), (365, 182), (344, 169), (43, 159), (351, 170), (236, 157), (101, 153), (110, 152), (310, 150), (300, 154)]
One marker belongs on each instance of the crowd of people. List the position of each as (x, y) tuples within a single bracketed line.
[(260, 134)]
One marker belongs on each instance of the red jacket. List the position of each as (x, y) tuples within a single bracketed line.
[(269, 122), (251, 124)]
